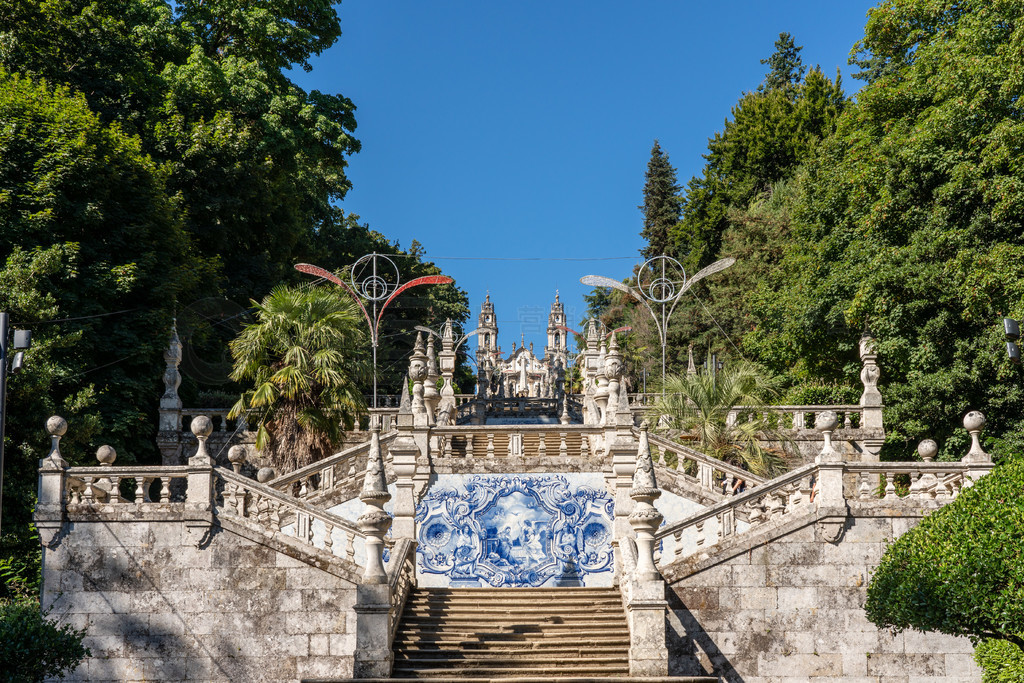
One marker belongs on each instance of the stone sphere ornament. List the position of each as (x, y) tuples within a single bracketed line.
[(236, 456), (57, 426), (202, 426), (265, 474), (974, 421), (927, 449), (826, 421), (106, 455)]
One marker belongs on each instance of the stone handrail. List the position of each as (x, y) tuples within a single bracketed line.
[(325, 475), (218, 416), (850, 416), (401, 574), (767, 502), (709, 473), (102, 485), (509, 440), (914, 480), (280, 513)]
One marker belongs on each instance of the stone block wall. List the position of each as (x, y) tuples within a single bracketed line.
[(158, 607), (789, 606)]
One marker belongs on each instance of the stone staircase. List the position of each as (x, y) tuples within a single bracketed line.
[(512, 633)]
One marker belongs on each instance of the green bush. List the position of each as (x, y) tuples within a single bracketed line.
[(34, 647), (1002, 661)]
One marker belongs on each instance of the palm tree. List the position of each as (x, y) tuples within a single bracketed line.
[(305, 356), (700, 404)]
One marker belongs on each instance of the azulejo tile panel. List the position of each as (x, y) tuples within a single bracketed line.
[(516, 531)]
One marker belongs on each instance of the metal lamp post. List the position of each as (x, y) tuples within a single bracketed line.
[(661, 283), (376, 280), (1012, 330), (22, 341)]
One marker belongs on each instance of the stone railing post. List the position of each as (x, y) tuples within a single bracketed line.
[(974, 422), (49, 512), (870, 401), (373, 657), (199, 497), (646, 605), (829, 497)]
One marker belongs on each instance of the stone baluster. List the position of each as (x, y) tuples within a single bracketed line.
[(108, 486), (373, 657), (418, 373), (199, 497), (431, 397), (646, 605), (926, 484)]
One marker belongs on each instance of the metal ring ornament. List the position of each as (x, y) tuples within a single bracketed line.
[(660, 279), (375, 276)]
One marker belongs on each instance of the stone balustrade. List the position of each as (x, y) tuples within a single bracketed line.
[(339, 472), (798, 418), (401, 574), (124, 487), (535, 440), (696, 468), (276, 512)]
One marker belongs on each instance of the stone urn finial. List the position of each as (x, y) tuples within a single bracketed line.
[(264, 474), (645, 518), (236, 456), (927, 449), (106, 455), (974, 422), (374, 522), (57, 427), (826, 422), (202, 427)]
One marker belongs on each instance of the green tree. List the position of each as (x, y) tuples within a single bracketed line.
[(661, 203), (961, 570), (786, 67), (909, 222), (700, 404), (306, 358), (34, 647)]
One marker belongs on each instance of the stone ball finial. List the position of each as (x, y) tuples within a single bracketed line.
[(826, 421), (974, 421), (927, 449), (236, 456), (265, 474), (202, 426), (106, 455), (57, 426)]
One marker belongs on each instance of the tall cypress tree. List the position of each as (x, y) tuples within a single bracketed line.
[(661, 203)]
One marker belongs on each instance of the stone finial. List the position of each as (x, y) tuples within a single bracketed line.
[(106, 455), (691, 367), (645, 518), (927, 450), (974, 422), (374, 522), (826, 422), (264, 474), (870, 373), (405, 402), (172, 357), (57, 427), (418, 373), (202, 427), (236, 456), (564, 419)]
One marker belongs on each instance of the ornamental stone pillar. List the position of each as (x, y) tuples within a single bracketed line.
[(870, 401), (979, 462), (199, 497), (49, 512), (418, 373), (431, 396), (169, 435)]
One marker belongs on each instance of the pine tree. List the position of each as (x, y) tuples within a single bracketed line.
[(787, 69), (661, 203)]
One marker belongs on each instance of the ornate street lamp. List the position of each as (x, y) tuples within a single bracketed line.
[(375, 279), (660, 282)]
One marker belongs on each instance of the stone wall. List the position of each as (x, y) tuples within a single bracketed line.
[(157, 606), (787, 605)]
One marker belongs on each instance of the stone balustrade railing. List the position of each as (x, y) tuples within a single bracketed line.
[(797, 418), (796, 492), (697, 468), (401, 573), (539, 440), (269, 508), (521, 407), (218, 416), (335, 472), (124, 486)]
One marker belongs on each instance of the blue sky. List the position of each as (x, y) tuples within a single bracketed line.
[(522, 130)]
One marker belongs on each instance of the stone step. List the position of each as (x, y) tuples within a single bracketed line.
[(582, 602), (450, 678), (501, 661), (472, 650), (519, 672), (526, 617), (593, 639)]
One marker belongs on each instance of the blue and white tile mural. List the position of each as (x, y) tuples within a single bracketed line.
[(515, 530)]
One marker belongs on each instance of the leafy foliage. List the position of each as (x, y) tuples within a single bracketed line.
[(961, 570), (306, 358), (1001, 661), (700, 404), (34, 647), (786, 66)]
